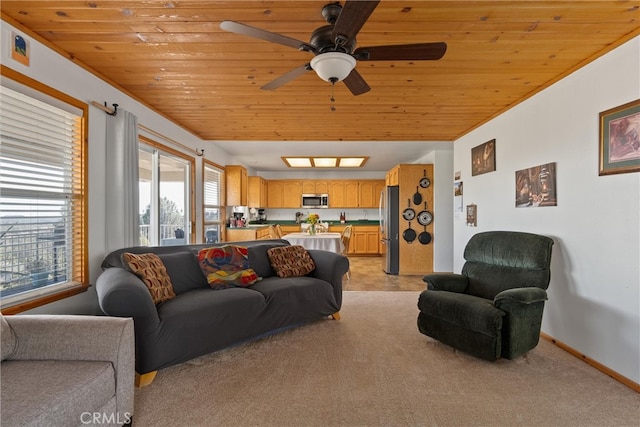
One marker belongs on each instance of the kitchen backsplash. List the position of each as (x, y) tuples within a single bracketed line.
[(332, 215)]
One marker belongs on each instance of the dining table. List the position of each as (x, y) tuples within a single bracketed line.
[(324, 241)]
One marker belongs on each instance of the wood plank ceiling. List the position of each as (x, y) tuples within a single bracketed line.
[(172, 55)]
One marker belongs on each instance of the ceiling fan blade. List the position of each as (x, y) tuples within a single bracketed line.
[(287, 77), (259, 33), (356, 84), (402, 52), (351, 19)]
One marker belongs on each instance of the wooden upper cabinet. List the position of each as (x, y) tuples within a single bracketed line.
[(236, 185), (369, 193), (351, 193), (292, 197), (284, 193), (343, 194), (337, 194), (257, 192), (275, 193), (392, 177), (312, 186)]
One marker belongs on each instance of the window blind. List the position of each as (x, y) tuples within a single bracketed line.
[(42, 197), (212, 203)]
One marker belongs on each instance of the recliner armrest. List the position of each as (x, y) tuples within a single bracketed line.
[(528, 295), (450, 282)]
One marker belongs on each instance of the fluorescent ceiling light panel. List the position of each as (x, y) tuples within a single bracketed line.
[(325, 162), (351, 162), (298, 162)]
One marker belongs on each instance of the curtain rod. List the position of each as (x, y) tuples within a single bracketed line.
[(113, 111)]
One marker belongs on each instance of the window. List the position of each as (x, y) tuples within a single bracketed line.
[(165, 195), (42, 187), (212, 202)]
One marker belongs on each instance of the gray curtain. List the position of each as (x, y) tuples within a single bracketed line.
[(121, 182)]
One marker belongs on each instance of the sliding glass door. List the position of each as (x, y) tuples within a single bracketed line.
[(165, 202)]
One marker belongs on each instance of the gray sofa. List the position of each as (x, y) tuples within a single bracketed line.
[(60, 370), (200, 320)]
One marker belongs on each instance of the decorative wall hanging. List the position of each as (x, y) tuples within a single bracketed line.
[(483, 158), (457, 196), (20, 49), (536, 186), (472, 215), (620, 139)]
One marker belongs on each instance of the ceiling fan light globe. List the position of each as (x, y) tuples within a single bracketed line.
[(333, 66)]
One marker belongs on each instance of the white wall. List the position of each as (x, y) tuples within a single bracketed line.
[(594, 295), (442, 208)]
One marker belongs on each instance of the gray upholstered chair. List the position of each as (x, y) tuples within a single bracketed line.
[(63, 370), (494, 308)]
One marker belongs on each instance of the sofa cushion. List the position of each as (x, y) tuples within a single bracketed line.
[(184, 271), (259, 259), (52, 392), (151, 270), (7, 337), (227, 266), (291, 261)]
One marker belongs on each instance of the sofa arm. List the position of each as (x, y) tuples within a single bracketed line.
[(450, 282), (528, 295), (330, 267), (122, 294), (86, 338)]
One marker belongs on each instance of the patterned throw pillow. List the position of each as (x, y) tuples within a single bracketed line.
[(291, 261), (227, 266), (151, 270)]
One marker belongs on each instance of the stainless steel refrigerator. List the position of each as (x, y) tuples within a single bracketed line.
[(389, 214)]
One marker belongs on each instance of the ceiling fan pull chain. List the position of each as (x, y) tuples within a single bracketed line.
[(333, 99)]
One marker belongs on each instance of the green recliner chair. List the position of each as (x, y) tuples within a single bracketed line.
[(494, 308)]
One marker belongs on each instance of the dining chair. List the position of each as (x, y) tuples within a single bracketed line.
[(345, 237), (322, 227), (273, 232), (278, 230)]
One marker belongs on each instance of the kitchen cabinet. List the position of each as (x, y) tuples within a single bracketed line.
[(312, 186), (292, 197), (369, 193), (286, 229), (392, 177), (257, 192), (343, 194), (263, 233), (365, 240), (236, 185), (244, 233), (275, 193), (248, 233), (284, 193)]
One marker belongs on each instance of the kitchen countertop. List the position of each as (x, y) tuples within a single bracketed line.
[(336, 222)]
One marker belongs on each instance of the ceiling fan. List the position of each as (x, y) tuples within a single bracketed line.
[(334, 46)]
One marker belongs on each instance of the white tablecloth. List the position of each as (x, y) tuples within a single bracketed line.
[(325, 241)]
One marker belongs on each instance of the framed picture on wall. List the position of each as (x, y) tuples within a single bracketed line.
[(536, 186), (483, 158), (620, 139), (20, 48)]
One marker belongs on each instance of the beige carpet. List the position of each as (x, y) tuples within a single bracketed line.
[(373, 368)]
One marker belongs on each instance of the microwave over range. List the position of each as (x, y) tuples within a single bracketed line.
[(315, 201)]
